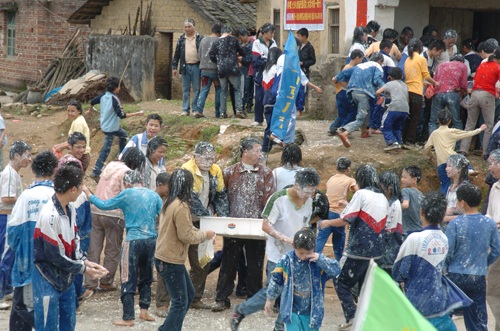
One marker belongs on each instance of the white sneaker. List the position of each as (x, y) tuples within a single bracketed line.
[(4, 305), (257, 124), (392, 147)]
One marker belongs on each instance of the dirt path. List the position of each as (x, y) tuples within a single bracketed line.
[(319, 151)]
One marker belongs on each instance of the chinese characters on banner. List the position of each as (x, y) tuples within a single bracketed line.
[(304, 14)]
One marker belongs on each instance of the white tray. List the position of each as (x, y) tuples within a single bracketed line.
[(244, 228)]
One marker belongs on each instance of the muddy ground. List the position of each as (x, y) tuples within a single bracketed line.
[(319, 151)]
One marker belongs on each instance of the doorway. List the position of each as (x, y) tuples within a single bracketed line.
[(163, 72)]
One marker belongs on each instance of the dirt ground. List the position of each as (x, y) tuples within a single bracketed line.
[(319, 151)]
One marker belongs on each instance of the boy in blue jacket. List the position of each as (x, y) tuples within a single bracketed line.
[(111, 113), (300, 278), (470, 237), (140, 207), (364, 80)]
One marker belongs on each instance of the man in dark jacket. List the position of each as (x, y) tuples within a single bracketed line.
[(209, 198), (186, 52), (307, 58), (225, 53)]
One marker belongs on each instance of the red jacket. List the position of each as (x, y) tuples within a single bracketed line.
[(487, 75)]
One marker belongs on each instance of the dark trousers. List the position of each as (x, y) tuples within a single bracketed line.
[(20, 318), (474, 286), (181, 291), (301, 98), (376, 113), (353, 272), (411, 124), (259, 104), (136, 259), (267, 144), (426, 119), (231, 253), (346, 111), (241, 287), (198, 275), (248, 95), (78, 280), (392, 124), (109, 137)]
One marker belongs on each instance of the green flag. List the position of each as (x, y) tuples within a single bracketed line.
[(383, 306)]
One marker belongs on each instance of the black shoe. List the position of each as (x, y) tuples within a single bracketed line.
[(331, 133), (221, 305), (223, 116), (236, 319), (241, 114)]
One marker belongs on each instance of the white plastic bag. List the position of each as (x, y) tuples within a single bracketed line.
[(205, 252)]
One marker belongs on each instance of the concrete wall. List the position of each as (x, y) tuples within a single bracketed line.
[(110, 54), (167, 15), (40, 37)]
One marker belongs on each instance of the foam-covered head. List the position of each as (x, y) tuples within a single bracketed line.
[(68, 177), (44, 164), (343, 164), (134, 158), (366, 176), (132, 177), (305, 239)]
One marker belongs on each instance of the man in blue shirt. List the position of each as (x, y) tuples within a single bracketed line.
[(140, 207), (470, 237)]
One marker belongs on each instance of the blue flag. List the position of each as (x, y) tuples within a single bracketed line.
[(288, 89)]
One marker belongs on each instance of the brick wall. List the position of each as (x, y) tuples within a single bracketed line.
[(167, 15), (40, 36)]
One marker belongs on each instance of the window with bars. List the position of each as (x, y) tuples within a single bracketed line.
[(334, 29), (11, 33), (277, 24)]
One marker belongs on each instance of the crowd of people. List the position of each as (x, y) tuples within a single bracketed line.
[(437, 245)]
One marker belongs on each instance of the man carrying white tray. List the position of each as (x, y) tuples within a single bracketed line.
[(249, 185), (209, 198), (286, 212)]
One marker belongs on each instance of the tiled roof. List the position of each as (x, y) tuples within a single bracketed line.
[(227, 12)]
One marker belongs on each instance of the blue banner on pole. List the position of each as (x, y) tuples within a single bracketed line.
[(288, 88)]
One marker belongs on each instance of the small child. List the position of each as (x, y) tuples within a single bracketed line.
[(140, 207), (140, 140), (307, 57), (470, 237), (420, 266), (56, 261), (78, 125), (366, 215), (364, 80), (77, 145), (111, 113), (3, 138), (162, 296), (397, 110), (346, 109), (389, 183), (157, 147), (300, 277), (338, 188), (411, 176), (443, 140)]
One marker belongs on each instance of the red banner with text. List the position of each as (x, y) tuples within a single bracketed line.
[(307, 14)]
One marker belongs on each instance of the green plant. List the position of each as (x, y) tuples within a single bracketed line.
[(209, 133)]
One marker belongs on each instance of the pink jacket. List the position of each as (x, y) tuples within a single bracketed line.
[(110, 185)]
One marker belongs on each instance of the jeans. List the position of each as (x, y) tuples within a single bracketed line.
[(54, 310), (192, 76), (481, 102), (78, 280), (206, 82), (474, 286), (236, 83), (20, 318), (181, 291), (6, 266), (109, 137), (259, 104), (410, 126), (392, 125), (231, 256), (338, 237), (353, 272), (376, 113), (301, 98), (258, 301), (362, 101), (346, 111), (451, 100), (136, 262), (248, 94)]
